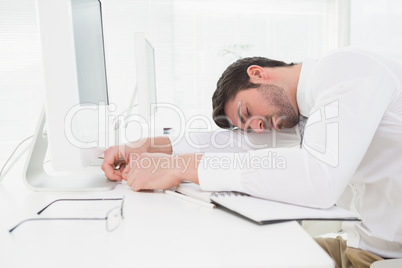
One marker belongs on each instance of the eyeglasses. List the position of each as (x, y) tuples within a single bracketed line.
[(112, 218)]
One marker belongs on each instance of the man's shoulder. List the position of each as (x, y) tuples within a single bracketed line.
[(349, 63), (357, 56), (348, 55)]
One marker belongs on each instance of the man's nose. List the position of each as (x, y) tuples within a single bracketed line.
[(257, 126)]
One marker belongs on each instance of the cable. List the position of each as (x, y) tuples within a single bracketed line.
[(2, 175), (126, 111)]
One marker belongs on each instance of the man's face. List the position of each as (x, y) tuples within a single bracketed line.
[(266, 107)]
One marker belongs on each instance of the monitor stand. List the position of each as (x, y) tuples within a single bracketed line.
[(36, 177)]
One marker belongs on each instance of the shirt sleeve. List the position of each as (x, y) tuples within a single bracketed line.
[(232, 141), (345, 112)]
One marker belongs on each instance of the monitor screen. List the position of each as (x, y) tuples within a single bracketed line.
[(89, 51)]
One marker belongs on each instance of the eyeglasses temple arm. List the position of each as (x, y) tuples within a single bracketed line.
[(86, 199), (57, 219)]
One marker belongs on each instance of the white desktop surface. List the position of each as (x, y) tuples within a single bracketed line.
[(158, 231)]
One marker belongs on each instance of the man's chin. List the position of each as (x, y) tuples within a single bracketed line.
[(289, 126), (283, 124)]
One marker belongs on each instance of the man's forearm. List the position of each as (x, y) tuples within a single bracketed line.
[(160, 171), (159, 145), (151, 145), (187, 167)]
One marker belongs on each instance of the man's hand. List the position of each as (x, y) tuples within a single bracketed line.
[(116, 158), (160, 171)]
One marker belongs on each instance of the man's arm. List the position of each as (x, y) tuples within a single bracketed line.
[(160, 171), (233, 141), (195, 142)]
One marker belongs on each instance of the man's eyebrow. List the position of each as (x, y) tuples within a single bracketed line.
[(239, 113)]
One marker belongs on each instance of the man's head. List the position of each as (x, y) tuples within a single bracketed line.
[(253, 93)]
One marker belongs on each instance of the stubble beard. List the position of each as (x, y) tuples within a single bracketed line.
[(275, 97)]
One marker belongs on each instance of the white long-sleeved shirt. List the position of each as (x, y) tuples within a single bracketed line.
[(234, 141), (351, 152)]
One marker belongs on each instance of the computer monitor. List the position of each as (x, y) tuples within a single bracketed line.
[(74, 119), (143, 99), (145, 70), (137, 121)]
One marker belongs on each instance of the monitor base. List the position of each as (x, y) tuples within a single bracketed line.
[(37, 178)]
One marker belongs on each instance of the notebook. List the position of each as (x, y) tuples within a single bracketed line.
[(264, 211)]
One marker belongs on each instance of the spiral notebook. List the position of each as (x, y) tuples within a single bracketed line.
[(265, 211)]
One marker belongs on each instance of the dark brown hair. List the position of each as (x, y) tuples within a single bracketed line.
[(234, 79)]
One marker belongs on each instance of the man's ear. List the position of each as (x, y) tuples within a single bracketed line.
[(257, 74)]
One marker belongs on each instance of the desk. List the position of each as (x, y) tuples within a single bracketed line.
[(158, 231)]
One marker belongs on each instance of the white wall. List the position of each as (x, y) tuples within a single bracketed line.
[(191, 39), (21, 96), (377, 25)]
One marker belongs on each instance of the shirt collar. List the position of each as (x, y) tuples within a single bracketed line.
[(302, 90)]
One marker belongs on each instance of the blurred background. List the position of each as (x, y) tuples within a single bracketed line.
[(194, 41)]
